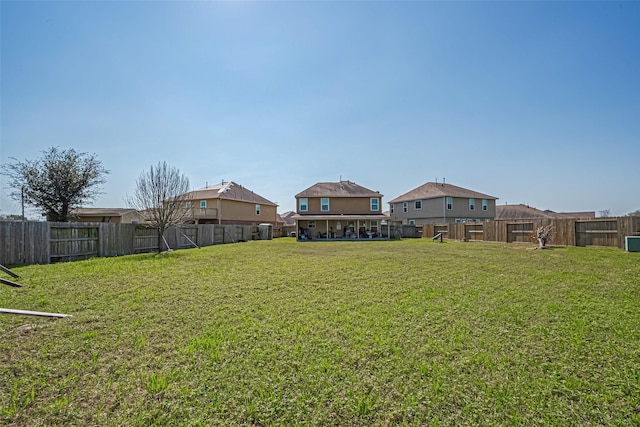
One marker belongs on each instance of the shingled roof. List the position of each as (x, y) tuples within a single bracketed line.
[(230, 191), (338, 189), (102, 211), (522, 211), (432, 190)]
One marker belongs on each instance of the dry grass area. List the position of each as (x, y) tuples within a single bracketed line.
[(409, 332)]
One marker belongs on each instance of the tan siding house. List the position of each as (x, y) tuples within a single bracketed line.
[(436, 203), (230, 203), (338, 210)]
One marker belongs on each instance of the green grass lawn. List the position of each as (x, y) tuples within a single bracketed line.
[(409, 332)]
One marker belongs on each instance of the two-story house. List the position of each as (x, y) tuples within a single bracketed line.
[(338, 210), (437, 203), (229, 203)]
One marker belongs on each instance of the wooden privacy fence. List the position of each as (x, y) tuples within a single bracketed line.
[(608, 232), (45, 242)]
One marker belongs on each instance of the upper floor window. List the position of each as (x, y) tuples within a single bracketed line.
[(257, 209), (449, 203), (405, 207), (203, 203), (375, 204), (324, 204), (485, 204), (391, 208), (417, 205), (472, 204), (303, 204)]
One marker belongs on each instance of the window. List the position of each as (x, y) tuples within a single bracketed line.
[(375, 205), (391, 208), (303, 204), (324, 204), (405, 207), (485, 204), (203, 203), (449, 203), (188, 205), (374, 226), (412, 222), (417, 205), (312, 224), (257, 209), (472, 204)]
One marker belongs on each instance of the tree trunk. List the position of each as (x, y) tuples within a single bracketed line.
[(160, 241)]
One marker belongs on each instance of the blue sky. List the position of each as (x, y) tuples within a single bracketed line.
[(530, 102)]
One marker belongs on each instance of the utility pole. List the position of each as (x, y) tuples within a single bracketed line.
[(24, 231), (22, 201)]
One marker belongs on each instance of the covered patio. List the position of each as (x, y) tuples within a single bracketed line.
[(342, 227)]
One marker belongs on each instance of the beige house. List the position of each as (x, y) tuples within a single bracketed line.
[(339, 210), (115, 215), (438, 203), (229, 203)]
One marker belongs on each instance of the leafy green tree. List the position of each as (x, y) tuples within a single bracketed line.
[(57, 182)]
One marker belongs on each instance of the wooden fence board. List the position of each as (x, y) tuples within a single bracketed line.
[(22, 243), (73, 241)]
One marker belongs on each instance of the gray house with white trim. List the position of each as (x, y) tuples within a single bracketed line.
[(438, 203)]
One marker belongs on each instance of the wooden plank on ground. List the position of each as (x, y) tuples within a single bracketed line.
[(9, 272), (32, 313), (10, 283)]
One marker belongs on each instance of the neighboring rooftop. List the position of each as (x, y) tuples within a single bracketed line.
[(101, 211), (432, 190), (230, 191), (287, 217), (522, 211), (338, 189)]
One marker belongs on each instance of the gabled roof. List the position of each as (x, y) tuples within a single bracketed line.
[(338, 189), (522, 211), (229, 191), (287, 217), (432, 190)]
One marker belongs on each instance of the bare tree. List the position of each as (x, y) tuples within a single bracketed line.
[(161, 195), (56, 183), (605, 213)]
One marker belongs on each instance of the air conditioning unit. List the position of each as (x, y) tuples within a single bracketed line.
[(632, 243)]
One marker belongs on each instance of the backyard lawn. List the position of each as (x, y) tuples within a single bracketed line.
[(409, 332)]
